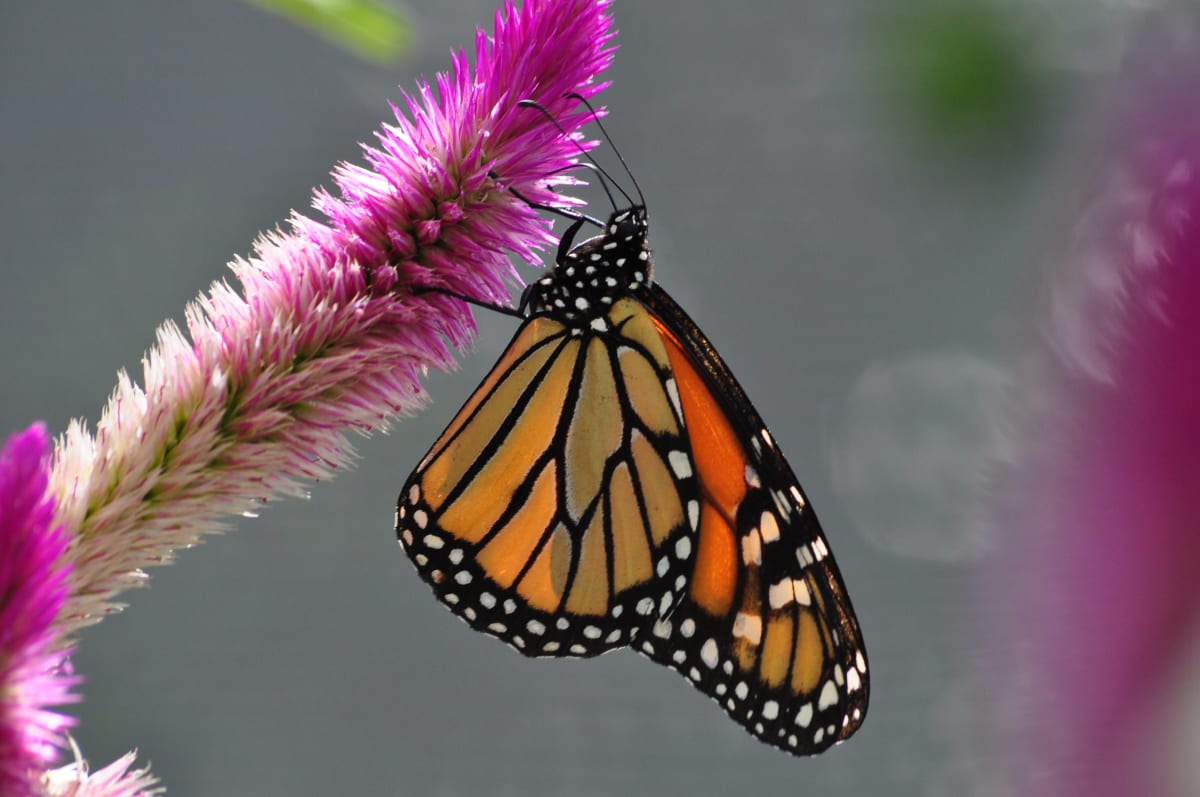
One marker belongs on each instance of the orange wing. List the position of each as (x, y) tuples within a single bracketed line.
[(558, 509), (766, 628)]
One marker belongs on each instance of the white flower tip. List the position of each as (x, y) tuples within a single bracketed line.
[(114, 780)]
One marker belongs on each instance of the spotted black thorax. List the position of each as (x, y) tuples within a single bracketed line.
[(590, 276)]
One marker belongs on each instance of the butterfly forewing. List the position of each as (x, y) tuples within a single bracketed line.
[(766, 628), (557, 510)]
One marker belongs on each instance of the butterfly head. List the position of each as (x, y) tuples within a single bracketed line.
[(589, 277)]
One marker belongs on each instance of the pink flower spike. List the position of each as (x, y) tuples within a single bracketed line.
[(429, 206), (326, 335), (34, 672)]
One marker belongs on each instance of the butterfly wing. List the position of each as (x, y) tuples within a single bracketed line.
[(766, 628), (557, 511)]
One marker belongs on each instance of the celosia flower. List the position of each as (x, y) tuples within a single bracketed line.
[(326, 334), (33, 587), (1104, 582)]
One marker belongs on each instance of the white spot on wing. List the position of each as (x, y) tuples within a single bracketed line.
[(781, 503), (749, 627), (802, 592), (752, 548), (853, 684), (673, 394), (680, 464), (780, 594), (708, 653), (752, 476), (769, 527), (828, 697)]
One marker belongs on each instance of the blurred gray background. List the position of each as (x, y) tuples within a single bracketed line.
[(868, 259)]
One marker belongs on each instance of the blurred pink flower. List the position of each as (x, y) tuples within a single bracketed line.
[(326, 335), (1105, 576), (34, 672)]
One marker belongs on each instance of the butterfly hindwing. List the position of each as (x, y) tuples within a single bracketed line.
[(557, 511), (766, 628)]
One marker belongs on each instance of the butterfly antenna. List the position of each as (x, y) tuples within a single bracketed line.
[(566, 213), (596, 118), (605, 177)]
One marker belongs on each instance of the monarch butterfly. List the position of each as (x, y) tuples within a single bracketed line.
[(610, 485)]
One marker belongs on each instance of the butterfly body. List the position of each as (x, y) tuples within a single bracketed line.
[(610, 485)]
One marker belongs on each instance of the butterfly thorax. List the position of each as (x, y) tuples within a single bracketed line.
[(589, 278)]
